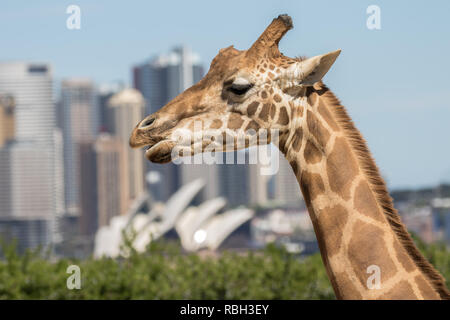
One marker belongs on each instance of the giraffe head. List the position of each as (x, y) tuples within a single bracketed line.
[(244, 95)]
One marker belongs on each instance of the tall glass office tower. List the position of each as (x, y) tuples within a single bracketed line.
[(31, 163)]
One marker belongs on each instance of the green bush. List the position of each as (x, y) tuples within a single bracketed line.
[(164, 272)]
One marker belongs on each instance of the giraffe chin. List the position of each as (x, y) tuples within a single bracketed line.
[(161, 152)]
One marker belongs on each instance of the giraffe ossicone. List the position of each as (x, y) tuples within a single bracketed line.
[(353, 216)]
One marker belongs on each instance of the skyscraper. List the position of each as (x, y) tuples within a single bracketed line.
[(88, 220), (234, 183), (126, 109), (165, 76), (112, 180), (31, 86), (242, 184), (104, 93), (80, 124), (287, 190), (258, 184), (31, 164)]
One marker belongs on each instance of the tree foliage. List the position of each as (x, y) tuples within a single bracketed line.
[(165, 272)]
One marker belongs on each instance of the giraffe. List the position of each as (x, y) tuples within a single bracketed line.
[(354, 220)]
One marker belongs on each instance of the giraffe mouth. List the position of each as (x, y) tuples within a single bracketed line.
[(160, 152)]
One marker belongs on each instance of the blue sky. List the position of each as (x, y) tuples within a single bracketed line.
[(393, 81)]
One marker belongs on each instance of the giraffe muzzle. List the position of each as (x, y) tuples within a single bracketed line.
[(160, 152)]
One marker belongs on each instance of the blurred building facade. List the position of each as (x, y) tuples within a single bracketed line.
[(7, 119), (441, 219), (126, 109), (31, 167), (80, 124), (112, 178), (165, 76), (88, 219), (242, 182), (31, 86), (286, 187), (104, 93)]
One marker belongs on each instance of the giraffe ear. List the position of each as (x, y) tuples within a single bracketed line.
[(313, 69), (309, 71)]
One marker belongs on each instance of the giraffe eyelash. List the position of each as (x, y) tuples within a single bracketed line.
[(240, 89)]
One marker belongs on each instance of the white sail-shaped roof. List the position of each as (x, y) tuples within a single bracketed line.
[(109, 238), (193, 218), (218, 228)]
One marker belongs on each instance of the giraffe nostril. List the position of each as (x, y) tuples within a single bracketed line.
[(147, 122)]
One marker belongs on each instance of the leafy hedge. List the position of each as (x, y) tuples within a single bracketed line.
[(164, 272)]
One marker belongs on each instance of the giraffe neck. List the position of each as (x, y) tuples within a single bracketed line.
[(359, 233)]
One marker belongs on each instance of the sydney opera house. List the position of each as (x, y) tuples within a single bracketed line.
[(198, 227)]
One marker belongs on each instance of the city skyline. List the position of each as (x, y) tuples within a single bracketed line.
[(31, 168), (378, 78), (86, 124)]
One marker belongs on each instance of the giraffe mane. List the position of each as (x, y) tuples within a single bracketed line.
[(378, 187), (300, 58)]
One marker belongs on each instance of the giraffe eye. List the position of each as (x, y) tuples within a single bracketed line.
[(240, 89)]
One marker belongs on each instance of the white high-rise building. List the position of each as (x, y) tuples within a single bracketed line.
[(31, 85), (287, 190), (126, 109), (31, 164)]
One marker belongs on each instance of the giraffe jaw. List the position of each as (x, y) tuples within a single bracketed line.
[(160, 152)]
